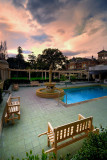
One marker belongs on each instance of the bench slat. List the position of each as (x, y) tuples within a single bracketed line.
[(12, 109), (71, 132)]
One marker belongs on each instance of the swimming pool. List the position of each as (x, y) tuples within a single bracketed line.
[(75, 95)]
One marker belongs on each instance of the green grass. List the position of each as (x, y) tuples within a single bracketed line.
[(19, 78)]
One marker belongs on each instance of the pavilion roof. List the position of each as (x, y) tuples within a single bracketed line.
[(103, 51)]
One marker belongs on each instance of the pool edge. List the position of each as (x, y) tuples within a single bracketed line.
[(82, 102)]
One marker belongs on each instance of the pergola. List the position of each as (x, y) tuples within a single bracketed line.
[(4, 72), (99, 71), (80, 72)]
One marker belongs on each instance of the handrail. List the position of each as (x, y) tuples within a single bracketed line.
[(58, 96), (66, 97)]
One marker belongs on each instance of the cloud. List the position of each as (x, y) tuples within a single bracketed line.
[(73, 53), (42, 38), (5, 26), (18, 3), (27, 51), (12, 55), (45, 11), (77, 27), (61, 31), (69, 53)]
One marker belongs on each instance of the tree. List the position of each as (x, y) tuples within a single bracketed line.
[(20, 58), (18, 62), (3, 51), (12, 62), (52, 57), (20, 50), (32, 60)]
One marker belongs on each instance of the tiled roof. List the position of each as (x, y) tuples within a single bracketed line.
[(102, 51)]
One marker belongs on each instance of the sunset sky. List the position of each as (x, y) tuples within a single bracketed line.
[(78, 28)]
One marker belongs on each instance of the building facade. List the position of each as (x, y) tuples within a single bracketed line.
[(102, 57), (82, 64)]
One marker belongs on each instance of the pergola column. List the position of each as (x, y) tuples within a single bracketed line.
[(81, 75), (45, 75), (9, 74), (59, 75), (54, 75), (29, 74), (42, 75), (69, 76), (93, 76), (3, 74), (99, 76), (88, 75)]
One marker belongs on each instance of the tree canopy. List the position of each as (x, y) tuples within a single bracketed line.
[(17, 62), (20, 50), (43, 61), (52, 57)]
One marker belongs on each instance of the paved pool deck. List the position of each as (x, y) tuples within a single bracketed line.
[(36, 112)]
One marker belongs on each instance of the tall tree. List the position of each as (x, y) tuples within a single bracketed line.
[(20, 50), (52, 57), (12, 62), (3, 50), (32, 58), (20, 58), (18, 62)]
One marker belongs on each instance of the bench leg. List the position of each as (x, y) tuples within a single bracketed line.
[(55, 154), (13, 119), (48, 142), (5, 120), (18, 116)]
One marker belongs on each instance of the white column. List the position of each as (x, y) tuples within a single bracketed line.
[(69, 76), (88, 76), (29, 74), (45, 75), (42, 75), (81, 75), (3, 75), (9, 76), (100, 77), (59, 75)]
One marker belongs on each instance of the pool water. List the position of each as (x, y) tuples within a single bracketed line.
[(75, 95)]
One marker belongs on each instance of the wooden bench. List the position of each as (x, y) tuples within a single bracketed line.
[(34, 83), (69, 133), (15, 87), (12, 109)]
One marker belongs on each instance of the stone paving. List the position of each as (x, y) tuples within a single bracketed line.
[(36, 112)]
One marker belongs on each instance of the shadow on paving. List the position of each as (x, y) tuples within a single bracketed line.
[(36, 112)]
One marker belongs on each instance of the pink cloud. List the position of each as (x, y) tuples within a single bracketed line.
[(73, 30)]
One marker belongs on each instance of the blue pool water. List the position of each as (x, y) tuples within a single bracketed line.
[(75, 95)]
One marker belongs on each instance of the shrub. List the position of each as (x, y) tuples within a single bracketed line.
[(73, 78), (30, 156), (6, 84), (94, 148), (63, 78), (44, 156), (56, 80), (20, 81), (1, 95)]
